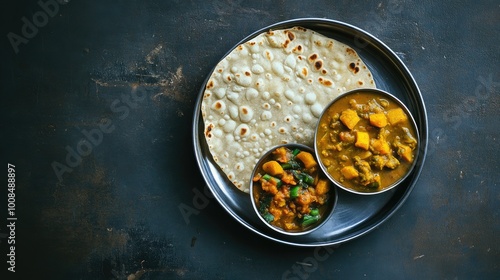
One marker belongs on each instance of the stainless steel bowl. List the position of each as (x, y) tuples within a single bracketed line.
[(321, 159), (329, 206)]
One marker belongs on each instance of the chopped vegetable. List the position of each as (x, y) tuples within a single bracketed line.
[(365, 154), (275, 181), (380, 147), (294, 192), (268, 217), (264, 203), (379, 161), (322, 187), (349, 172), (307, 159), (314, 212), (408, 138), (347, 137), (308, 220), (303, 178), (273, 167), (396, 116), (349, 118), (308, 179), (362, 140), (290, 165), (392, 162), (378, 119), (405, 152), (365, 171), (280, 154)]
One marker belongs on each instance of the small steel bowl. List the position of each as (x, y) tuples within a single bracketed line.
[(327, 154), (325, 210)]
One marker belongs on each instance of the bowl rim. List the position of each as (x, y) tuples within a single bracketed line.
[(332, 200), (412, 121)]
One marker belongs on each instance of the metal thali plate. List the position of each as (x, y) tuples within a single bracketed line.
[(354, 215)]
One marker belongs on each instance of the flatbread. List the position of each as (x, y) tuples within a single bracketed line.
[(271, 90)]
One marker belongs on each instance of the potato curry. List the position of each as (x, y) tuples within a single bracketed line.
[(288, 190), (366, 141)]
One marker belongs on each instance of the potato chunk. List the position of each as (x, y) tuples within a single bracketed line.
[(396, 116), (307, 159), (380, 146), (405, 152), (378, 120), (322, 187), (349, 172), (362, 140), (349, 118), (273, 168)]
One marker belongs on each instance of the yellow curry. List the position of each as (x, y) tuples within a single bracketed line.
[(366, 141)]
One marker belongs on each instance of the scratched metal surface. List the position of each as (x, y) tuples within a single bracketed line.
[(104, 93)]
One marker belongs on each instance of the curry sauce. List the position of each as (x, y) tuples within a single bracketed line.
[(366, 141)]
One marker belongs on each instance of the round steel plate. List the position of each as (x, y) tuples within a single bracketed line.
[(354, 215)]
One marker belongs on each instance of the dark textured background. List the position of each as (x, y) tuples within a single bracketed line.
[(116, 215)]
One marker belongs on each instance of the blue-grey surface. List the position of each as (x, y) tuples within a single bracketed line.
[(97, 99)]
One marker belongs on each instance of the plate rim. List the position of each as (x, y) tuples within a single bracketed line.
[(410, 81)]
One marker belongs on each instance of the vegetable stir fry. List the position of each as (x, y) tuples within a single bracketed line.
[(288, 191)]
